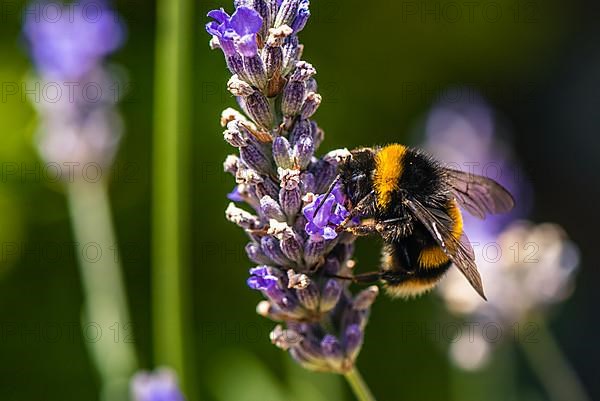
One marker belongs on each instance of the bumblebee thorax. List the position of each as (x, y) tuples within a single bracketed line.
[(389, 168)]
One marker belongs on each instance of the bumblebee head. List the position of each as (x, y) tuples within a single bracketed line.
[(356, 174)]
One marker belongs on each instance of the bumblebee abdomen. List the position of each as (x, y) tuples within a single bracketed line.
[(404, 275), (433, 256), (414, 265)]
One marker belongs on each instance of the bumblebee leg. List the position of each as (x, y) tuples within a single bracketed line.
[(356, 211), (361, 231), (367, 278), (365, 228), (393, 229)]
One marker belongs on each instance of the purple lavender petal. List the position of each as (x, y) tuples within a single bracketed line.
[(220, 15), (235, 195), (213, 28), (321, 218), (247, 45), (329, 233), (261, 279), (245, 21), (312, 229)]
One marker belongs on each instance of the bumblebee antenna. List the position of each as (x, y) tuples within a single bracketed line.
[(329, 190)]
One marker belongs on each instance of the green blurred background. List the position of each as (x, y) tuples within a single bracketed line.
[(381, 65)]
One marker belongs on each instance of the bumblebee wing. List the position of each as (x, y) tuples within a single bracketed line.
[(479, 195), (459, 251)]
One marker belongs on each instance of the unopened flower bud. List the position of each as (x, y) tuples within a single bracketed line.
[(314, 249), (253, 155), (311, 104), (271, 209), (301, 128), (297, 281), (260, 110), (293, 98), (302, 16), (267, 187), (238, 87), (353, 338), (256, 255), (309, 297), (256, 71), (231, 114), (307, 182), (248, 176), (287, 12), (290, 196), (235, 63), (263, 308), (324, 172), (291, 53), (241, 217), (311, 85), (330, 295), (290, 242), (290, 200), (303, 151), (282, 153), (230, 165), (331, 348), (273, 57), (365, 298), (270, 247), (285, 339), (234, 136), (303, 72), (263, 8)]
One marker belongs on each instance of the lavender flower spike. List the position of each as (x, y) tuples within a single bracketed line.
[(72, 45), (299, 254), (72, 49)]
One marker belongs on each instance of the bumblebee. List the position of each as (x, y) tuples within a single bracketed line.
[(412, 202)]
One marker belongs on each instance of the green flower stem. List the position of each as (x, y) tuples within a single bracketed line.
[(552, 367), (106, 324), (170, 214), (358, 385)]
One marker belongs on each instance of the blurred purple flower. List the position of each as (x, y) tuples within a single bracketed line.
[(322, 223), (72, 44), (236, 31), (464, 135), (160, 385)]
